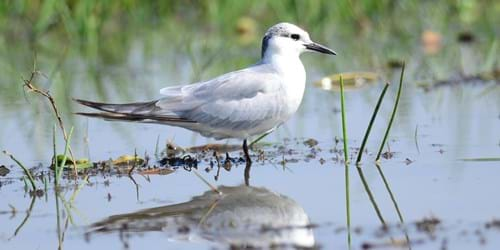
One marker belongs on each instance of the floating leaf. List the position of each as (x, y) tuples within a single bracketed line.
[(352, 81), (128, 160), (82, 163)]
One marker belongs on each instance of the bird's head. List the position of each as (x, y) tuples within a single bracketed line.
[(289, 39)]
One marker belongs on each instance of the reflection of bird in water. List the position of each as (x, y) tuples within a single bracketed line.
[(240, 216)]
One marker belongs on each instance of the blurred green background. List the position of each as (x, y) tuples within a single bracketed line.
[(110, 49)]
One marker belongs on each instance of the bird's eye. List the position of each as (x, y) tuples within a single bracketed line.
[(295, 37)]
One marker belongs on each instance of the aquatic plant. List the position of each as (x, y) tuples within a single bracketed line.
[(27, 173), (394, 110), (346, 162), (344, 127), (372, 120)]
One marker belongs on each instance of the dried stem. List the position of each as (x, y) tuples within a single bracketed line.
[(28, 83)]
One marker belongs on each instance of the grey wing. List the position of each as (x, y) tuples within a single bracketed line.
[(239, 100)]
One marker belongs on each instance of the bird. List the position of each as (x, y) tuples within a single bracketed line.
[(240, 216), (240, 104)]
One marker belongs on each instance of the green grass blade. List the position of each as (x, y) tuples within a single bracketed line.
[(55, 161), (370, 196), (372, 120), (63, 162), (26, 171), (346, 162), (25, 184), (393, 198), (386, 135), (28, 214), (348, 205), (259, 138), (344, 128), (486, 159), (157, 146), (394, 202), (415, 136)]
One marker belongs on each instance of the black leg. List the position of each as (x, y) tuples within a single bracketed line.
[(248, 163), (245, 151)]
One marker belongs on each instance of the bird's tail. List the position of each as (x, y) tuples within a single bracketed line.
[(136, 112), (136, 107)]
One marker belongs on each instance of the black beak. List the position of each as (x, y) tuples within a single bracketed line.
[(319, 48)]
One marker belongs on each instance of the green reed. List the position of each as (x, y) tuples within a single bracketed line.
[(394, 110), (372, 120), (346, 162), (26, 171), (344, 127)]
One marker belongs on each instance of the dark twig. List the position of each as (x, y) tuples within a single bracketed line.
[(134, 165)]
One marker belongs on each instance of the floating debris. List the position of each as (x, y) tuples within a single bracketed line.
[(428, 225), (4, 170), (186, 161), (128, 160), (219, 148), (493, 224), (173, 149), (311, 142), (479, 78), (156, 171), (408, 161), (393, 243), (352, 81), (388, 155), (80, 163)]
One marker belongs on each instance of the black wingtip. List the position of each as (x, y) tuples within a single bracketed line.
[(86, 103), (94, 105), (111, 116)]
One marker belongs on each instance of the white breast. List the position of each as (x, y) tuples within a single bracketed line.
[(292, 71)]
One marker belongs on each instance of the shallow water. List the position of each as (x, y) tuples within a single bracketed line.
[(298, 191)]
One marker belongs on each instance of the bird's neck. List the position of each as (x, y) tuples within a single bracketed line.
[(292, 72), (285, 64)]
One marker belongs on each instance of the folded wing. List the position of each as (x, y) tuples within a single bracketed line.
[(237, 100)]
